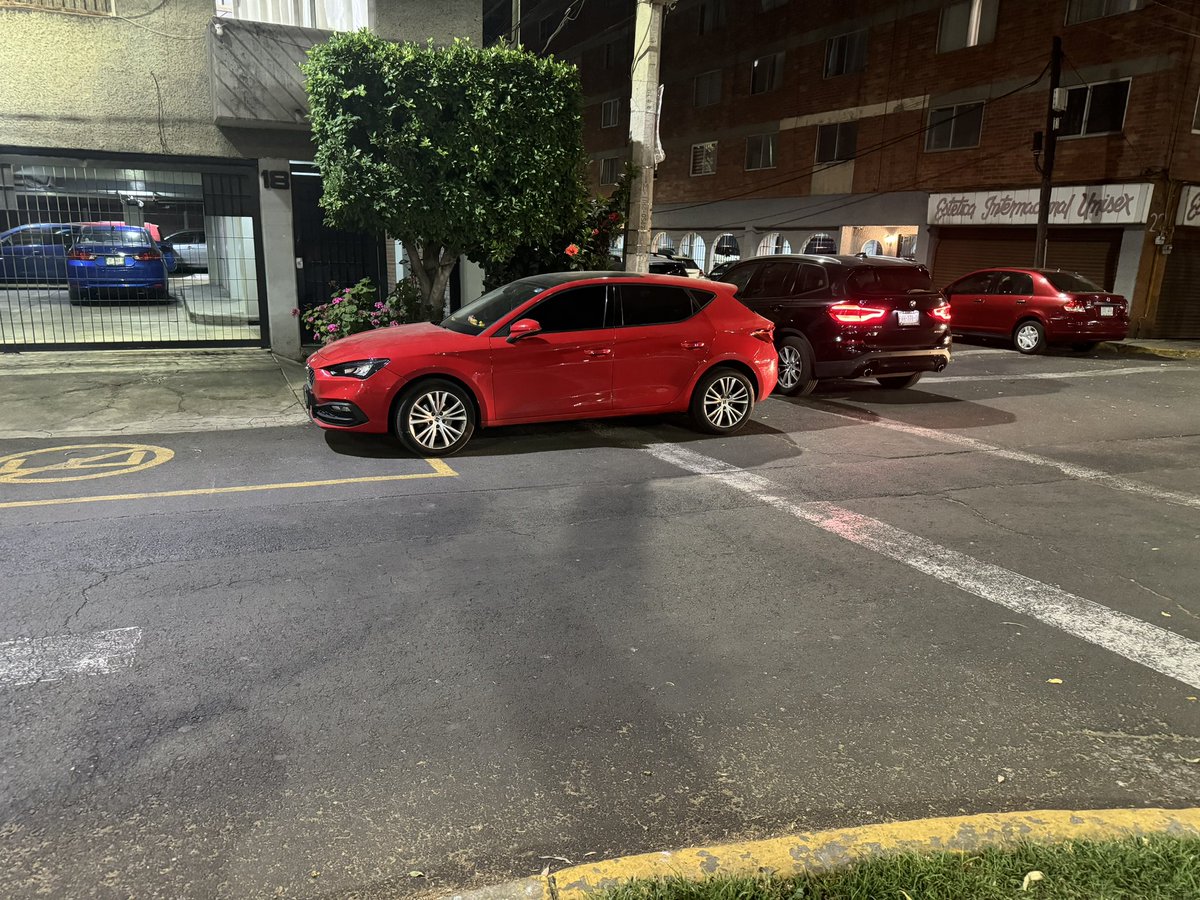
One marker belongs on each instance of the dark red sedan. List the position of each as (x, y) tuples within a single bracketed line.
[(1036, 307), (580, 345)]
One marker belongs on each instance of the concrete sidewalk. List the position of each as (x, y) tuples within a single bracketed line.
[(1146, 347), (127, 392)]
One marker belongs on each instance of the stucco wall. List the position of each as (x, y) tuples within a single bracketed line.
[(88, 82)]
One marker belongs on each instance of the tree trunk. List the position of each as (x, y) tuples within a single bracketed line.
[(432, 265)]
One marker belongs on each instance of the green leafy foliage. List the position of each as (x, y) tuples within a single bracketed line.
[(359, 308), (452, 150)]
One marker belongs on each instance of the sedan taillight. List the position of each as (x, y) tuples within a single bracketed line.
[(76, 253), (1074, 305), (853, 314), (148, 256), (941, 313)]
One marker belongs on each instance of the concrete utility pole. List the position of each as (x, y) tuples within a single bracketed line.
[(515, 35), (1049, 146), (643, 131)]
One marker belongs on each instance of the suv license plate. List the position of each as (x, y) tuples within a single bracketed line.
[(908, 316), (1106, 310)]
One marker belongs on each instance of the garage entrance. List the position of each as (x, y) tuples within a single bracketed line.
[(1092, 252), (119, 254)]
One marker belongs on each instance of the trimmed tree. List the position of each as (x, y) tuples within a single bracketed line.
[(451, 150)]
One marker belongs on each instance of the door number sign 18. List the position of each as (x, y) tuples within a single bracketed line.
[(276, 179)]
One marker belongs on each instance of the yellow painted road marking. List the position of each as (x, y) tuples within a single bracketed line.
[(439, 470), (32, 466)]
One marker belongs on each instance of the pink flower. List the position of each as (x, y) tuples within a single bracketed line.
[(572, 249), (379, 305), (337, 300), (595, 231), (395, 323), (346, 292), (331, 327), (295, 312)]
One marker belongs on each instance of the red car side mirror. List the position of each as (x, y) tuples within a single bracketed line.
[(523, 328)]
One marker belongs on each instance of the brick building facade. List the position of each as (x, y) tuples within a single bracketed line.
[(905, 127)]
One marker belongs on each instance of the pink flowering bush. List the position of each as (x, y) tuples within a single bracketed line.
[(359, 308)]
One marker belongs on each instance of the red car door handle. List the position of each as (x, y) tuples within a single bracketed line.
[(977, 300), (1022, 301), (603, 351), (692, 345)]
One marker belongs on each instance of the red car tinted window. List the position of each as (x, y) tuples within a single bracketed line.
[(1014, 283), (653, 304), (576, 309), (979, 283), (1070, 283)]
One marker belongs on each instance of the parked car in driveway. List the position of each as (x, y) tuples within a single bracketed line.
[(571, 345), (847, 317), (191, 247), (1033, 308), (36, 253), (110, 262)]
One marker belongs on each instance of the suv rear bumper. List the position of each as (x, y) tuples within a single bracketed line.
[(885, 362)]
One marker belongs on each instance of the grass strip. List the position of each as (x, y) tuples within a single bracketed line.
[(1158, 867)]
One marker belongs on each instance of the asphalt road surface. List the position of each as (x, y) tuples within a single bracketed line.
[(362, 675)]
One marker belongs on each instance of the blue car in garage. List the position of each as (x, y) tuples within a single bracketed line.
[(37, 254), (109, 262)]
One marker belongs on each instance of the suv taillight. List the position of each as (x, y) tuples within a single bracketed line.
[(853, 314), (941, 312), (76, 253)]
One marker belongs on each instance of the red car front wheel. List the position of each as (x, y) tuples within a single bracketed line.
[(435, 418)]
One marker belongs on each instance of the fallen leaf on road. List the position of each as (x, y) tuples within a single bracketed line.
[(1191, 699), (1167, 614), (559, 858), (1000, 779), (545, 871), (1053, 681), (1030, 878), (415, 874), (314, 874), (1196, 760)]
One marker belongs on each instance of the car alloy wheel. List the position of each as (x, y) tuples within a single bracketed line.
[(795, 367), (723, 401), (436, 418), (1030, 337)]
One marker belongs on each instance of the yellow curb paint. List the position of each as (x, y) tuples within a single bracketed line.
[(98, 461), (820, 850), (438, 468)]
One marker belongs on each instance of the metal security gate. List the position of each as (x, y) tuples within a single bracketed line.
[(1179, 299), (1092, 252), (124, 254)]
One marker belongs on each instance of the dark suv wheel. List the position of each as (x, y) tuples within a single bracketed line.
[(795, 367)]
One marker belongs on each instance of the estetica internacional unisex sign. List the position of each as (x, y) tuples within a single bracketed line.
[(1104, 204)]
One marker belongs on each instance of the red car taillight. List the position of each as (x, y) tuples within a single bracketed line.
[(75, 253), (853, 314), (148, 256), (766, 335), (1074, 305), (941, 312)]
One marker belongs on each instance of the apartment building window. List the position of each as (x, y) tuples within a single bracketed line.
[(846, 54), (967, 23), (707, 90), (1086, 10), (610, 169), (78, 7), (328, 15), (1095, 108), (612, 53), (760, 151), (712, 15), (704, 158), (610, 110), (546, 28), (766, 73), (955, 127), (837, 143)]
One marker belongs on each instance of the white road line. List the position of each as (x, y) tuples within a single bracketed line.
[(32, 660), (1041, 376), (1136, 640), (1084, 473)]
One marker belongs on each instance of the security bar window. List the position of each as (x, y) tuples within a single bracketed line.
[(967, 23), (712, 15), (1095, 109), (955, 127), (766, 73), (837, 143), (610, 169), (707, 88), (760, 151), (704, 158), (609, 112), (75, 7), (329, 15), (846, 54), (1086, 10)]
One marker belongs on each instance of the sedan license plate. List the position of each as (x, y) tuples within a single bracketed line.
[(1107, 310), (114, 260), (908, 316)]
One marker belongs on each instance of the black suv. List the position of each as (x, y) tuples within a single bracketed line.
[(847, 317)]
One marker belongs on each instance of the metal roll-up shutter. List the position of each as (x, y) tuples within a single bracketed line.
[(1179, 297), (1092, 253)]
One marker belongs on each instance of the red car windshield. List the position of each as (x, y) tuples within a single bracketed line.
[(491, 307), (1070, 283)]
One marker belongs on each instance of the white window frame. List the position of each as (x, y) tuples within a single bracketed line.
[(696, 85), (1130, 6), (704, 147), (615, 174), (975, 23), (1195, 115), (300, 13), (610, 113), (776, 62), (954, 115), (768, 137), (1087, 108), (866, 32)]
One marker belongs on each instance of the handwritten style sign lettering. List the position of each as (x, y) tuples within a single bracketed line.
[(1107, 204)]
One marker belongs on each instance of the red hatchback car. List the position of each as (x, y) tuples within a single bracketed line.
[(1036, 307), (578, 345)]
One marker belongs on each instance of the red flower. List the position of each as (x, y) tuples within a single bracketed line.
[(595, 231), (613, 217), (572, 249)]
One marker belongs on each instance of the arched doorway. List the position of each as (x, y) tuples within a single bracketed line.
[(822, 243), (872, 248), (726, 249), (774, 244), (663, 242), (693, 247)]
